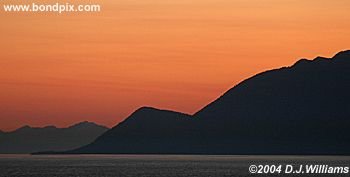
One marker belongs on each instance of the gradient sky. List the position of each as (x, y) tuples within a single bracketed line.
[(179, 55)]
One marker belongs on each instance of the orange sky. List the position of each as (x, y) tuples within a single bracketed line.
[(61, 69)]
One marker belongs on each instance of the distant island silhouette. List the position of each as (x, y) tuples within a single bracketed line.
[(302, 109), (50, 138)]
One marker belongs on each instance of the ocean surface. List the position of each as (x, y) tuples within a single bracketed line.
[(154, 165)]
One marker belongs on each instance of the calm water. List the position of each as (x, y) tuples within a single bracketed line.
[(151, 165)]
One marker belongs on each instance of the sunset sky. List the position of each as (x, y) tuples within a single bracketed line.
[(59, 69)]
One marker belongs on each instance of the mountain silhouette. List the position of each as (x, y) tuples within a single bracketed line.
[(147, 130), (301, 109), (50, 138)]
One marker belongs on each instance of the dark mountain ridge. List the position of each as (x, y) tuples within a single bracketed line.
[(302, 109), (50, 138), (147, 130)]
